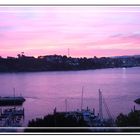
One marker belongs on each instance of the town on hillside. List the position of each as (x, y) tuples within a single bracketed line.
[(23, 63)]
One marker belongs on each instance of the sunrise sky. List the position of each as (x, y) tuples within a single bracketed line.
[(86, 31)]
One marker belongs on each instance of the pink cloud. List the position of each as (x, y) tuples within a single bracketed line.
[(105, 31)]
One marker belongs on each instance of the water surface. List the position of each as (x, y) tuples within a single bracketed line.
[(46, 90)]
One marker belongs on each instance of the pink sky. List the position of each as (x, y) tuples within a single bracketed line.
[(86, 31)]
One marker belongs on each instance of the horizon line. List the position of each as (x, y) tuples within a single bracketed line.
[(69, 56)]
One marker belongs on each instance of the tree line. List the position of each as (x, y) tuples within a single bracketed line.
[(57, 63)]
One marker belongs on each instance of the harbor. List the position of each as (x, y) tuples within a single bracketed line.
[(74, 119), (81, 97), (11, 111), (82, 119), (92, 118), (14, 116), (76, 68)]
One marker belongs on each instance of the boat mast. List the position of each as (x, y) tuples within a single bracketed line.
[(82, 98), (14, 91), (14, 97), (100, 105)]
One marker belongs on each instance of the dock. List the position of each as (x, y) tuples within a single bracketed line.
[(9, 101), (11, 117)]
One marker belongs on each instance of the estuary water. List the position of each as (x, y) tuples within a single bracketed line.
[(46, 90)]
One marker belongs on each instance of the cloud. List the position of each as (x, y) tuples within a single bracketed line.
[(133, 35), (77, 28), (116, 35), (6, 28)]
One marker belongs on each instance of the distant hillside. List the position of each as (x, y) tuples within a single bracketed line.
[(62, 63)]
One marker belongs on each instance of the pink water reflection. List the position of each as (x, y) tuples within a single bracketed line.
[(46, 90)]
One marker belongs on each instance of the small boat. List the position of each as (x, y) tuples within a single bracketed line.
[(137, 101), (14, 100), (5, 101)]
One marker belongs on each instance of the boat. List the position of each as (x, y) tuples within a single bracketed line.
[(137, 101), (12, 117), (12, 100), (5, 101)]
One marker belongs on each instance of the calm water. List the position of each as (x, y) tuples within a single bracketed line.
[(46, 90)]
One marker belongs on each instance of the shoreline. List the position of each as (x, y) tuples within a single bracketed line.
[(12, 72)]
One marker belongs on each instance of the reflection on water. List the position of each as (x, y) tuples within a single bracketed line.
[(46, 90)]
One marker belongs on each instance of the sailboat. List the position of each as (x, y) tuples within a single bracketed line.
[(7, 101)]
